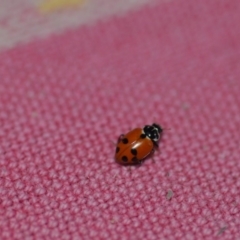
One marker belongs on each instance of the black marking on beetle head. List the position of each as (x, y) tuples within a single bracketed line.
[(125, 140), (158, 127), (153, 132)]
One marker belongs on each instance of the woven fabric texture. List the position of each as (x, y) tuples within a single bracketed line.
[(64, 101)]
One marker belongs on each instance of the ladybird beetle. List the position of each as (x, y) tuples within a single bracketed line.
[(137, 144)]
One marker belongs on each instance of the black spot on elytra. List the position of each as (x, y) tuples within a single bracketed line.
[(124, 159), (117, 149), (134, 159), (143, 135), (125, 140), (134, 151)]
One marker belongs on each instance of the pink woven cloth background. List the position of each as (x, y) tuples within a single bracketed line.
[(65, 99)]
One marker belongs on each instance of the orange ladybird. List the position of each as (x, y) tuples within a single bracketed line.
[(136, 145)]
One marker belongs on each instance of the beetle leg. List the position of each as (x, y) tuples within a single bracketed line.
[(120, 137), (155, 144)]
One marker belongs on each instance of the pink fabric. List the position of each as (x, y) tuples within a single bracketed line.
[(65, 99)]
